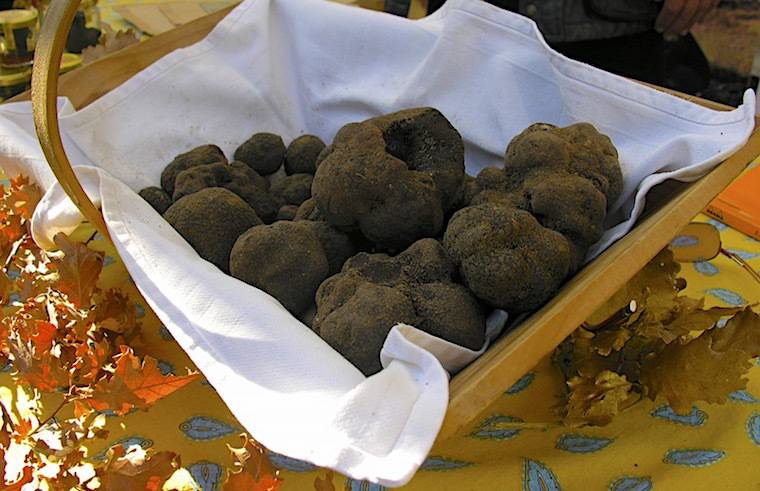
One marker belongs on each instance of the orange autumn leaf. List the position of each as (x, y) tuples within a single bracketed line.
[(43, 337), (253, 471), (24, 196), (136, 469), (78, 270), (135, 384), (27, 476)]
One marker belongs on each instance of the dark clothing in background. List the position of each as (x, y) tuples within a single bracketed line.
[(615, 35)]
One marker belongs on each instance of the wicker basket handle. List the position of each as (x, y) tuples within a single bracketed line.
[(47, 59)]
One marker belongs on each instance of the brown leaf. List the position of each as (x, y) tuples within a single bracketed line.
[(654, 286), (686, 315), (110, 42), (115, 312), (253, 471), (135, 469), (596, 400), (605, 342), (707, 368), (24, 196), (325, 484), (135, 384), (79, 270)]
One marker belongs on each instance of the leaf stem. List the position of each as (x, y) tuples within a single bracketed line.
[(52, 415)]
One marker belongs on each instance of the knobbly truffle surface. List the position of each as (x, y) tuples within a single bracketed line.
[(262, 152), (287, 212), (211, 220), (506, 257), (566, 177), (301, 155), (235, 176), (391, 177), (373, 292), (205, 154), (157, 198), (285, 259)]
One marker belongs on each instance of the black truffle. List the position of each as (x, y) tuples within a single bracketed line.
[(302, 153), (211, 220), (206, 154), (263, 152), (157, 198), (292, 190)]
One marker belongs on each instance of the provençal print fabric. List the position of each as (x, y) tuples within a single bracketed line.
[(516, 443)]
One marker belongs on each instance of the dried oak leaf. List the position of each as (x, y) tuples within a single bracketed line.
[(136, 470), (596, 400), (23, 196), (253, 471), (78, 270), (135, 384), (110, 42), (655, 287), (706, 368), (685, 316)]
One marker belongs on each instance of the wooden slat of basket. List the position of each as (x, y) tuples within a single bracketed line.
[(485, 380)]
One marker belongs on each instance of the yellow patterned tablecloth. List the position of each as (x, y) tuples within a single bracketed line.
[(714, 447)]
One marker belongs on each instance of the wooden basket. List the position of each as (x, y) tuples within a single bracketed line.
[(670, 207)]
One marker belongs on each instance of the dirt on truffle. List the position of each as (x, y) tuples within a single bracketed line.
[(392, 177), (302, 153), (285, 259), (157, 198), (205, 154), (235, 176), (566, 177), (357, 307), (211, 220), (262, 152), (287, 212)]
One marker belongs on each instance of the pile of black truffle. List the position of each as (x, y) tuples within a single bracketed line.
[(383, 226)]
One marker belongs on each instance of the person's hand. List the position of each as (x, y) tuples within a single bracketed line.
[(677, 16)]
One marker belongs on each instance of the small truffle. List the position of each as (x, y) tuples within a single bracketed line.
[(285, 259), (506, 257), (237, 177), (373, 292), (309, 211), (287, 212), (211, 220), (206, 154), (302, 153), (263, 152), (292, 190), (337, 245), (157, 198)]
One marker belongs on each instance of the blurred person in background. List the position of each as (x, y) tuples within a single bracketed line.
[(647, 40)]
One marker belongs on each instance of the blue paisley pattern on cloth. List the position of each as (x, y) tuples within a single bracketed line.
[(434, 463), (354, 485), (489, 429), (207, 475), (521, 384), (706, 268), (582, 444), (743, 396), (630, 483), (538, 477), (693, 457), (290, 464), (205, 428), (684, 241), (696, 417), (728, 296), (753, 428)]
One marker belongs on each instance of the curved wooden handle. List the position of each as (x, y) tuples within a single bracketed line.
[(47, 60)]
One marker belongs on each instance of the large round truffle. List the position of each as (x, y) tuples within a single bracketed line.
[(301, 155), (373, 292), (157, 198), (211, 220), (285, 259), (235, 176), (206, 154), (506, 257), (392, 177), (566, 177), (263, 152)]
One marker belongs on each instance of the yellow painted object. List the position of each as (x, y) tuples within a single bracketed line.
[(14, 82), (19, 37), (70, 61)]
